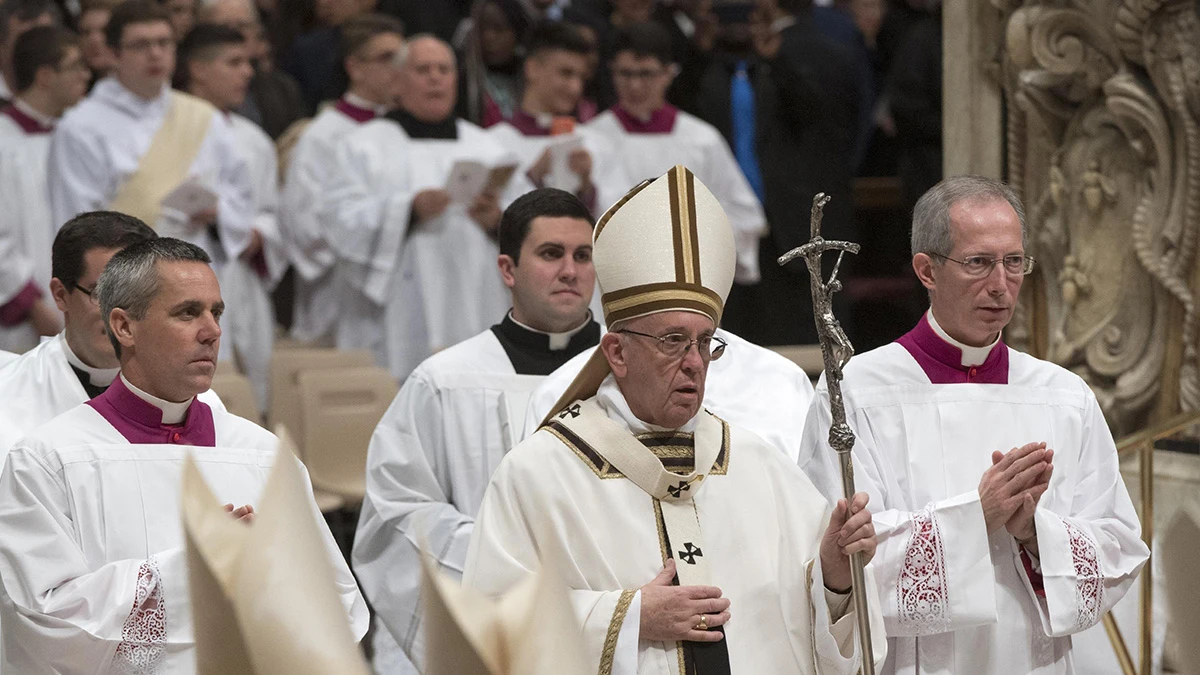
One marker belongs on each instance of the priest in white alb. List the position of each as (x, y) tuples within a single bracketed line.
[(690, 545), (91, 544), (542, 134), (1004, 525), (461, 410), (418, 254), (136, 146), (50, 77), (370, 44)]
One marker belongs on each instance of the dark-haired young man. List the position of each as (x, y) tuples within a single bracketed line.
[(649, 136), (50, 77), (370, 44), (16, 17), (556, 64), (92, 553), (133, 141), (462, 409), (214, 65)]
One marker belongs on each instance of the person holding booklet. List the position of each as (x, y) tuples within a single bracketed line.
[(137, 147), (418, 254)]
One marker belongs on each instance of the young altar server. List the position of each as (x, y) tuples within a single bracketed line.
[(462, 409), (1004, 525), (92, 557), (417, 253), (134, 142), (673, 520), (370, 44), (649, 135), (50, 77)]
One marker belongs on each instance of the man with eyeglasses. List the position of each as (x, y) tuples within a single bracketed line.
[(77, 364), (649, 135), (50, 77), (1004, 525), (134, 144), (663, 519)]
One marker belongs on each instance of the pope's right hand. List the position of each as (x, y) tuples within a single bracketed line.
[(672, 613)]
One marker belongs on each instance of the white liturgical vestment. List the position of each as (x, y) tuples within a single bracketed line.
[(560, 496), (648, 148), (91, 543), (956, 599), (305, 233), (429, 464), (99, 145), (750, 386), (415, 288)]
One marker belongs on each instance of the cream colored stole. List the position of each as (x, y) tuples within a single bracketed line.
[(584, 426), (168, 159)]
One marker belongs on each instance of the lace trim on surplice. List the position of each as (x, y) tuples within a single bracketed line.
[(1089, 583), (144, 635), (921, 599)]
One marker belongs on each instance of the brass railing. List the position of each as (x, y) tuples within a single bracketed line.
[(1142, 443)]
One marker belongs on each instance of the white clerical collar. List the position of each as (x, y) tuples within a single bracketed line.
[(558, 341), (613, 402), (360, 102), (172, 413), (38, 116), (778, 25), (111, 91), (99, 377), (971, 356)]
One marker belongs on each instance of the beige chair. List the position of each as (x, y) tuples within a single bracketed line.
[(286, 365), (339, 412), (808, 357), (1180, 548), (237, 394)]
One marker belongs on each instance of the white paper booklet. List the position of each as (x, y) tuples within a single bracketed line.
[(468, 178)]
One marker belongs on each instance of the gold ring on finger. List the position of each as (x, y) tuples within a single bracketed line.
[(703, 623)]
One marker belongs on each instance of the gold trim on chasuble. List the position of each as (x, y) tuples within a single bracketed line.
[(614, 631), (676, 450)]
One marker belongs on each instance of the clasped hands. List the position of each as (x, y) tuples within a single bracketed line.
[(687, 613), (1010, 489)]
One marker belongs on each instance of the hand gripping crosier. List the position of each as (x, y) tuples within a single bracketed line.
[(836, 351)]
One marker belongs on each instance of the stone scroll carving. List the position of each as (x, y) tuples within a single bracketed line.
[(1103, 142)]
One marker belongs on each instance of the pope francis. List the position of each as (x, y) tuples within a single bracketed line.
[(694, 546)]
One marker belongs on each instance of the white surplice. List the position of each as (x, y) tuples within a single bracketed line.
[(955, 599), (429, 463), (27, 228), (697, 145), (99, 143), (608, 175), (249, 319), (317, 302), (92, 554), (749, 386), (40, 385), (761, 519), (414, 290)]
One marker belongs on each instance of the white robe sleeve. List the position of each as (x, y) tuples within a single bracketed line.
[(78, 174), (745, 213), (122, 616), (407, 508), (235, 192), (303, 230), (266, 219), (933, 565), (368, 221), (1091, 556), (17, 271)]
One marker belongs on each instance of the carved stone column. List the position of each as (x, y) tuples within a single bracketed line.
[(1102, 101)]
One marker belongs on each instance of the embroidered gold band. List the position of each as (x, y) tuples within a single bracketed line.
[(614, 631)]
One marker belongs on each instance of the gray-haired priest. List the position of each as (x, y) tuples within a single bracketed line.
[(665, 520), (92, 554), (1004, 525)]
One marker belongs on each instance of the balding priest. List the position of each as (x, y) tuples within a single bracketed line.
[(91, 544), (672, 520), (1004, 525)]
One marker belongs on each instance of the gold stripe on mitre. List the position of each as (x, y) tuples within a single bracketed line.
[(646, 299), (684, 234)]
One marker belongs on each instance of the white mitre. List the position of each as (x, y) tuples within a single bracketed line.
[(665, 247)]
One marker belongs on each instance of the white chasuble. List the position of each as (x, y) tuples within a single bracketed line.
[(27, 229), (91, 543), (99, 145), (750, 386), (414, 288), (709, 495), (648, 149), (956, 599)]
